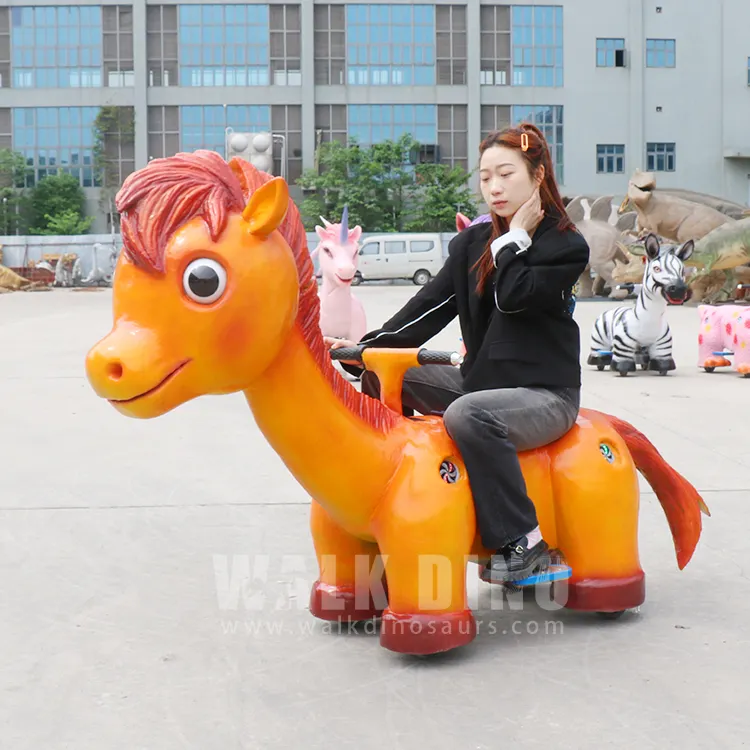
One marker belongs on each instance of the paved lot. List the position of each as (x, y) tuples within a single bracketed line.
[(112, 537)]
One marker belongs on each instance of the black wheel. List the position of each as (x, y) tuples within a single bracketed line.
[(624, 366), (357, 280), (611, 615), (421, 277), (709, 369), (600, 367), (663, 372)]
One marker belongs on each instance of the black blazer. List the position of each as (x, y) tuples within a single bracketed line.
[(521, 331)]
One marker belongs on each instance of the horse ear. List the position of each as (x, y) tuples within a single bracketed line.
[(267, 207), (355, 234), (462, 221), (652, 246), (320, 231), (685, 251)]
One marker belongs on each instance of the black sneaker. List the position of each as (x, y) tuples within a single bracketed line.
[(516, 561)]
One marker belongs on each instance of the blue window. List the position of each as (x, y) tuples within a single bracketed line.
[(224, 45), (660, 157), (549, 119), (56, 139), (537, 45), (373, 123), (205, 126), (56, 46), (605, 52), (390, 45), (610, 158), (660, 53)]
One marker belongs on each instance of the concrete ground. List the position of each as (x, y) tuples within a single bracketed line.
[(121, 542)]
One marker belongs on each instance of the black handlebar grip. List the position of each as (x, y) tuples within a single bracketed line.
[(353, 353), (431, 357)]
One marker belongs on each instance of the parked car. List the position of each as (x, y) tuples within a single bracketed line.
[(418, 257)]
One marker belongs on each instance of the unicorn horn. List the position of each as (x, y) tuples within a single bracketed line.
[(344, 226)]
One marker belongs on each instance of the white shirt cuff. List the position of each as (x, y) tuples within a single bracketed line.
[(519, 236)]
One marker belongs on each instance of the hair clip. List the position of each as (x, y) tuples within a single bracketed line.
[(524, 141)]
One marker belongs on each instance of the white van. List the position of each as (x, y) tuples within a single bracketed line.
[(418, 257)]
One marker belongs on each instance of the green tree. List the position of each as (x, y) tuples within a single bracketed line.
[(68, 221), (12, 169), (384, 187), (394, 165), (443, 191), (375, 181), (13, 198), (114, 139), (51, 201)]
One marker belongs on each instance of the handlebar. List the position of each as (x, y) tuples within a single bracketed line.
[(424, 356)]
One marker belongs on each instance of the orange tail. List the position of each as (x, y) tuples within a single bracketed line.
[(681, 502)]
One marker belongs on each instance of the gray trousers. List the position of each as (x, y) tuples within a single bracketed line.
[(490, 428)]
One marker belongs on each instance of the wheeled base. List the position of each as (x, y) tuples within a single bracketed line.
[(430, 633), (719, 359), (603, 358)]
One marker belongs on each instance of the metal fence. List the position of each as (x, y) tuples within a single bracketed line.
[(17, 251)]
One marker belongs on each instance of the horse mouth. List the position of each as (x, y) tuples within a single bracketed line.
[(164, 381), (343, 280), (680, 299)]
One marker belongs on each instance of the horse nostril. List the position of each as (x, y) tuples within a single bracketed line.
[(114, 370)]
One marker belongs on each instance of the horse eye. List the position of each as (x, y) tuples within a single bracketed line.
[(657, 268), (204, 281), (328, 252)]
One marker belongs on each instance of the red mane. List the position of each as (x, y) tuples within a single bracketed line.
[(157, 200)]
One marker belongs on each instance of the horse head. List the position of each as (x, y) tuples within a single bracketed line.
[(665, 270), (206, 289), (338, 250)]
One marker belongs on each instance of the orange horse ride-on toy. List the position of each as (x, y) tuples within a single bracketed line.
[(214, 293)]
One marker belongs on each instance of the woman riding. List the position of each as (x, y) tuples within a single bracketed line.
[(510, 281)]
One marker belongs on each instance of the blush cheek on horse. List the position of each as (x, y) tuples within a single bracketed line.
[(233, 337)]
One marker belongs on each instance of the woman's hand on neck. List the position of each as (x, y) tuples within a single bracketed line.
[(529, 215)]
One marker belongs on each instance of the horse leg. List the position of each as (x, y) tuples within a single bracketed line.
[(596, 493), (624, 349), (660, 352), (344, 589), (426, 537), (601, 341)]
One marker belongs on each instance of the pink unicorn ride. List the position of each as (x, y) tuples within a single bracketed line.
[(724, 332), (463, 221), (341, 313)]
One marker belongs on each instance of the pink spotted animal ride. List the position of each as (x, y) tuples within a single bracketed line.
[(724, 331), (341, 313)]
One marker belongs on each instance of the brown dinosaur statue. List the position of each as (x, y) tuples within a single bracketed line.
[(606, 240), (724, 206), (716, 267), (670, 216)]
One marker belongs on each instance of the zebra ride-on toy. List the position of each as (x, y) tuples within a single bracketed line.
[(624, 337)]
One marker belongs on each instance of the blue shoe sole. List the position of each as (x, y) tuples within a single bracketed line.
[(552, 573)]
